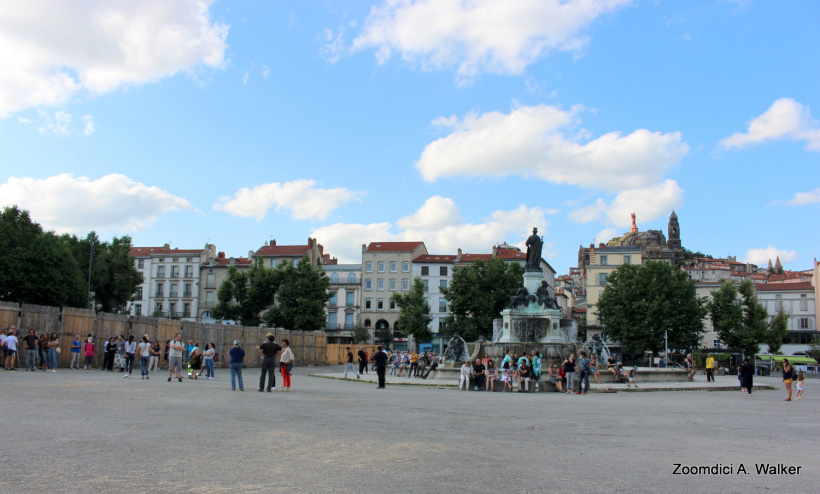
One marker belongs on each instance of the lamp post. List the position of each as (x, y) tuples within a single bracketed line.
[(91, 238)]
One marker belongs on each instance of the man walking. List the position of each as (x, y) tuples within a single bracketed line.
[(175, 351), (349, 365), (381, 365), (362, 360), (268, 350)]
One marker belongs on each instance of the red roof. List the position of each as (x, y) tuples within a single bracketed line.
[(224, 261), (774, 287), (393, 246), (511, 254), (143, 251), (475, 257), (433, 258), (149, 251), (283, 251)]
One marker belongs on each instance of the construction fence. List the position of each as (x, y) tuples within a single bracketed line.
[(309, 348)]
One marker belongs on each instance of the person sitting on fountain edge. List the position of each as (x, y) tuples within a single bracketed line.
[(478, 374)]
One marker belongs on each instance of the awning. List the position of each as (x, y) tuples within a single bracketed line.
[(794, 359)]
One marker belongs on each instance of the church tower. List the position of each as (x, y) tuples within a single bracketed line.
[(673, 232)]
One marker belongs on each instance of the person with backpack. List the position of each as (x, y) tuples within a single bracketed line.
[(788, 378)]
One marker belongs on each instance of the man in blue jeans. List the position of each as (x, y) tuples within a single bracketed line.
[(583, 367), (268, 350)]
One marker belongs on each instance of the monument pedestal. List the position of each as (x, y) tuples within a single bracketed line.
[(531, 323)]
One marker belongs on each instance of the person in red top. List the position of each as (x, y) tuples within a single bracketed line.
[(89, 353)]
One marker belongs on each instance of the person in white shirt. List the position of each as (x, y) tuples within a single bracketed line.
[(10, 349), (286, 359), (144, 353), (466, 369), (175, 351)]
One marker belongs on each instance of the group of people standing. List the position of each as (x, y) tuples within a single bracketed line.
[(41, 350)]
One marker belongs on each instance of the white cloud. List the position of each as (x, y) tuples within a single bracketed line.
[(442, 235), (261, 69), (59, 123), (803, 198), (58, 49), (785, 119), (543, 142), (77, 204), (606, 235), (299, 196), (478, 35), (647, 203), (762, 256), (88, 125), (334, 45)]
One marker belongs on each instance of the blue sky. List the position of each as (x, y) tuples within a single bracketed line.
[(459, 123)]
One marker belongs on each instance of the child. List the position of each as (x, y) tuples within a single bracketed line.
[(632, 373), (89, 353), (801, 376), (506, 378)]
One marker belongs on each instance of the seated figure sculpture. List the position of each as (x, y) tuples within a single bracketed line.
[(543, 297), (521, 297)]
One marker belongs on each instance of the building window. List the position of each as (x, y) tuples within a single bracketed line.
[(211, 281), (174, 290), (392, 284), (160, 271), (189, 271), (442, 283), (717, 344), (803, 323), (627, 259), (405, 285), (442, 270), (351, 278), (804, 304), (160, 290), (332, 301), (778, 303), (367, 323), (349, 299), (158, 308), (368, 284), (209, 298), (186, 310), (392, 304), (368, 303), (405, 267), (426, 284), (334, 278), (602, 279), (348, 321), (140, 263), (187, 292), (425, 270), (604, 259), (380, 284), (139, 294), (174, 271), (394, 266), (368, 267), (381, 266), (137, 309), (380, 304), (331, 320), (442, 304), (172, 308)]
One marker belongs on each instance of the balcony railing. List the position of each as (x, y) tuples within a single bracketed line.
[(173, 295), (210, 284), (187, 294), (340, 327), (159, 294)]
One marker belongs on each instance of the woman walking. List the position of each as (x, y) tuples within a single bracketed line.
[(286, 359), (210, 351), (237, 355), (144, 352), (788, 378)]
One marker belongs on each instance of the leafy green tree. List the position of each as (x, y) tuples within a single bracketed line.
[(415, 312), (739, 319), (301, 299), (477, 294), (754, 317), (245, 294), (777, 330), (36, 267), (641, 302), (360, 333)]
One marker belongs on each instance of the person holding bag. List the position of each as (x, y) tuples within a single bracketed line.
[(286, 359)]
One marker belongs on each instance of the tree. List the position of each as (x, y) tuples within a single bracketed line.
[(301, 299), (739, 319), (641, 303), (477, 294), (415, 312), (383, 333), (36, 267), (360, 333), (777, 330), (244, 295)]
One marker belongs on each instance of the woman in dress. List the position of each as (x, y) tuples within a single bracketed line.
[(210, 351), (492, 373), (286, 359), (506, 375), (746, 374), (53, 344), (237, 355)]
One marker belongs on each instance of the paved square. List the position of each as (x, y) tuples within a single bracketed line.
[(79, 432)]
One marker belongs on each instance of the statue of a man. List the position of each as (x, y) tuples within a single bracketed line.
[(521, 297), (534, 244)]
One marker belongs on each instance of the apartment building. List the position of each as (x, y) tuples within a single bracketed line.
[(601, 262), (272, 254), (212, 273), (343, 308), (797, 300), (435, 272)]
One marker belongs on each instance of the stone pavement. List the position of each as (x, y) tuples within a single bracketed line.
[(77, 432), (722, 383)]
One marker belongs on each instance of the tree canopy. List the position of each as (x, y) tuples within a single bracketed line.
[(641, 302), (415, 312), (739, 319), (245, 294), (778, 328), (301, 298), (42, 268), (477, 294)]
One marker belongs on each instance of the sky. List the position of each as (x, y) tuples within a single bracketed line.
[(460, 123)]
